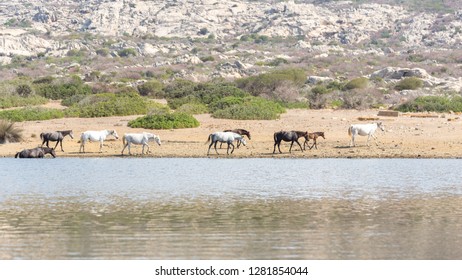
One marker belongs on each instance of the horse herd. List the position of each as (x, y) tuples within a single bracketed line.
[(227, 136)]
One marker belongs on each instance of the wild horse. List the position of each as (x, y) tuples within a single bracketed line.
[(57, 136), (38, 152), (288, 136)]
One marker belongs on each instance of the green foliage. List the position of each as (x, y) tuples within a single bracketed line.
[(205, 93), (193, 108), (126, 52), (152, 88), (165, 121), (207, 58), (109, 104), (357, 83), (17, 101), (31, 114), (410, 83), (264, 84), (9, 133), (62, 90), (320, 89), (432, 104), (24, 90), (251, 108)]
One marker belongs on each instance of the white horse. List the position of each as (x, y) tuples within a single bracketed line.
[(224, 137), (96, 136), (139, 139), (364, 130)]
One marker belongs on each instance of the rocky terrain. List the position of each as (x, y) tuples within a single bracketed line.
[(202, 39)]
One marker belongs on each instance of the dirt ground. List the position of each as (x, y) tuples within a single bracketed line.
[(405, 136)]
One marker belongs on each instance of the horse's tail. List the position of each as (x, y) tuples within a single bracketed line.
[(123, 140), (208, 139), (16, 155), (41, 136), (349, 130)]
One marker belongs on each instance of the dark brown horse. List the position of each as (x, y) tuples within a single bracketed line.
[(57, 136), (314, 136), (38, 152), (240, 131), (288, 136)]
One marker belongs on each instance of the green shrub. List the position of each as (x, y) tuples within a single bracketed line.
[(193, 108), (165, 121), (109, 104), (252, 108), (9, 133), (126, 52), (152, 88), (320, 89), (410, 83), (62, 90), (264, 84), (432, 104), (357, 83), (17, 101), (31, 114)]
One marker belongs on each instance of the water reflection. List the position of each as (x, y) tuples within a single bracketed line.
[(418, 228), (230, 209)]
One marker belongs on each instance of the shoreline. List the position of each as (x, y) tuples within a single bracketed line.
[(405, 136)]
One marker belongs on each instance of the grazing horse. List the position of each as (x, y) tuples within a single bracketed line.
[(288, 136), (96, 136), (138, 139), (38, 152), (240, 131), (364, 130), (57, 136), (314, 136), (224, 137)]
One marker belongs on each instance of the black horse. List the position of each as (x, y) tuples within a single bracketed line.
[(38, 152), (240, 131), (57, 136), (314, 136), (288, 136)]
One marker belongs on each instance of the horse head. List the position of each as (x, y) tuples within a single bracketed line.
[(157, 139), (381, 126), (114, 133), (71, 134), (243, 141)]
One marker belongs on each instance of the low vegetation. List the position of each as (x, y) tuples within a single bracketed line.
[(432, 104), (9, 132), (165, 120), (31, 114)]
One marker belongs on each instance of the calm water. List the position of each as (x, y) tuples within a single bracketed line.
[(147, 208)]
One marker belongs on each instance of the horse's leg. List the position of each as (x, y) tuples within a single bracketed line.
[(126, 144), (375, 139), (279, 147), (101, 146), (82, 146), (352, 141), (299, 145), (274, 149), (232, 145), (215, 146)]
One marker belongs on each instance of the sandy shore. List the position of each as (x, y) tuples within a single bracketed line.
[(406, 136)]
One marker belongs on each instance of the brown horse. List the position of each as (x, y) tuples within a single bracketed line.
[(38, 152), (57, 136), (240, 131), (314, 136), (289, 136)]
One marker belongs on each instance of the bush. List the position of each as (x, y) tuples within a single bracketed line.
[(252, 108), (264, 84), (127, 52), (109, 104), (152, 88), (410, 83), (31, 114), (62, 90), (193, 108), (433, 104), (9, 133), (17, 101), (165, 121), (357, 83)]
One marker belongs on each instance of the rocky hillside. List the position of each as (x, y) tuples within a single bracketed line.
[(201, 39)]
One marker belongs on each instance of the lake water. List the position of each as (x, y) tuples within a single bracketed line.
[(181, 208)]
